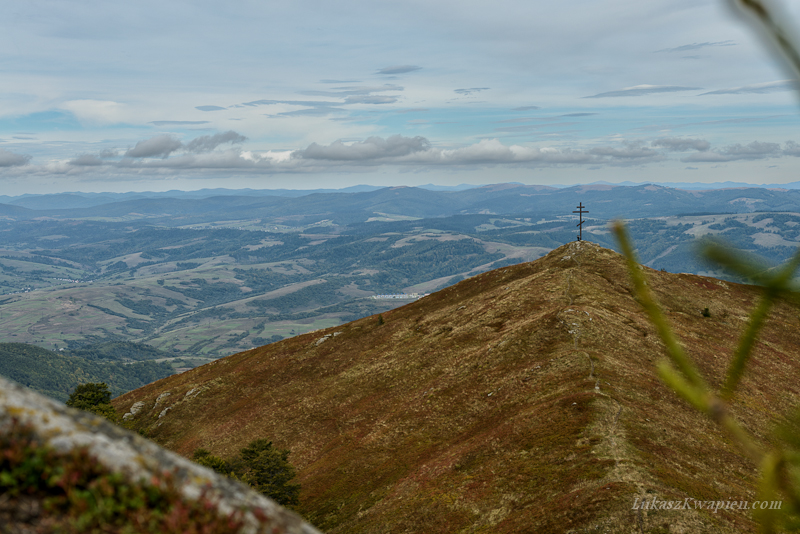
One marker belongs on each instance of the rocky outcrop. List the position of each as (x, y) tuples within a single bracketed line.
[(139, 459)]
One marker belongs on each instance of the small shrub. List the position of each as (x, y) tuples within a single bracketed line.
[(94, 398), (260, 465), (706, 312), (206, 459)]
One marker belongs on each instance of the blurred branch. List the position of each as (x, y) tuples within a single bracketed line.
[(769, 23), (779, 464)]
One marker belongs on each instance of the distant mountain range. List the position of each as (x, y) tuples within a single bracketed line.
[(362, 203), (74, 200)]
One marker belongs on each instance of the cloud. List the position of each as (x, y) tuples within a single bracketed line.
[(10, 159), (628, 151), (411, 110), (679, 144), (313, 103), (525, 108), (752, 151), (370, 99), (577, 114), (160, 145), (792, 149), (211, 161), (354, 90), (372, 148), (695, 46), (209, 108), (265, 103), (176, 123), (201, 155), (401, 150), (98, 111), (471, 90), (340, 81), (758, 88), (86, 160), (492, 151), (207, 143), (319, 108), (309, 112), (398, 69), (164, 145), (641, 90)]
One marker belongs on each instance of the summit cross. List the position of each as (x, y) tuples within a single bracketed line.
[(580, 224)]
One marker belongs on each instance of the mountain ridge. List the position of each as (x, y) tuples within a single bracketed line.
[(346, 207), (523, 399)]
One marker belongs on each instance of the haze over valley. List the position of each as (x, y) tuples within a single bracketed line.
[(200, 278)]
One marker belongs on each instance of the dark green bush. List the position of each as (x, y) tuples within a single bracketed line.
[(262, 466)]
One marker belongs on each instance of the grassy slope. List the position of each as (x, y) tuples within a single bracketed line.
[(521, 400)]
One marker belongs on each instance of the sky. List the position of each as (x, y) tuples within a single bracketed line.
[(153, 96)]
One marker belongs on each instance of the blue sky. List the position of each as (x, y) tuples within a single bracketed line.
[(110, 96)]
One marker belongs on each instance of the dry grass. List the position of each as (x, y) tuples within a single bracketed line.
[(521, 400)]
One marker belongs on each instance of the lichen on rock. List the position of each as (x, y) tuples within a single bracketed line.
[(138, 459)]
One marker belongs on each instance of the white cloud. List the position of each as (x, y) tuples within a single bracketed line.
[(370, 99), (680, 144), (400, 150), (752, 151), (467, 92), (10, 159), (373, 148), (628, 151), (641, 90), (212, 161), (160, 145), (86, 160), (398, 69), (758, 88), (98, 112), (206, 143), (355, 90), (696, 46), (164, 145)]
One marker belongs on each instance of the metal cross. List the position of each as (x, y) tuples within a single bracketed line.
[(580, 224)]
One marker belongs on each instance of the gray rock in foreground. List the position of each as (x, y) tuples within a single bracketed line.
[(119, 450)]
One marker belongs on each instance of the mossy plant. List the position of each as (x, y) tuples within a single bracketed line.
[(77, 494)]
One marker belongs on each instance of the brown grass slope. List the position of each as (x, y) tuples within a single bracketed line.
[(521, 400)]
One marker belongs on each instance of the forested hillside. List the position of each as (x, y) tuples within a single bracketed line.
[(56, 375)]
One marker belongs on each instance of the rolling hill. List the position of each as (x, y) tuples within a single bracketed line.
[(57, 374), (523, 399), (359, 205)]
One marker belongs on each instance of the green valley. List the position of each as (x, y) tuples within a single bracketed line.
[(184, 278)]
